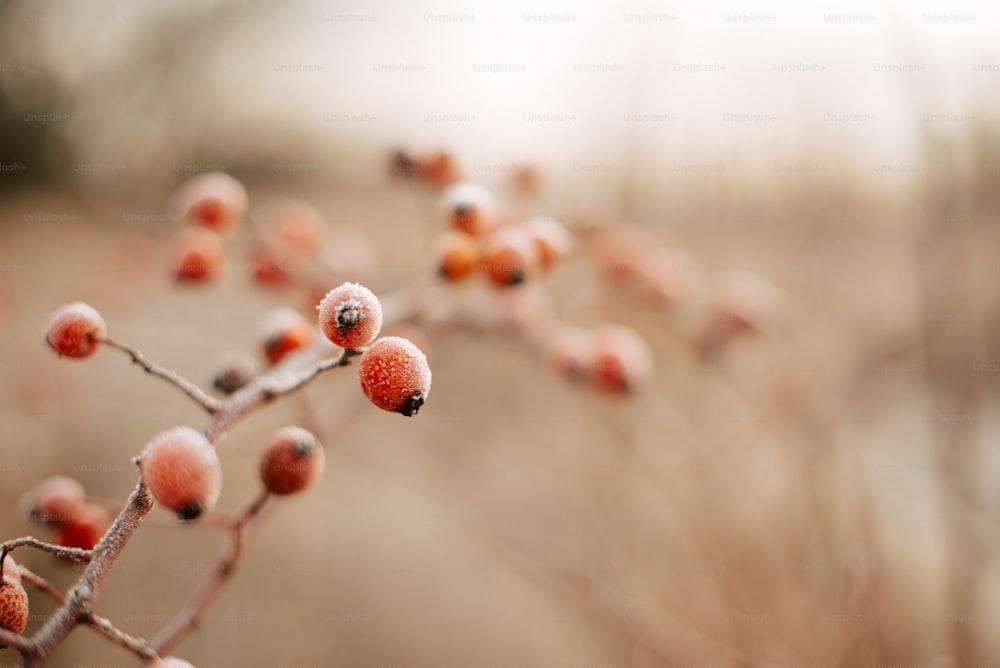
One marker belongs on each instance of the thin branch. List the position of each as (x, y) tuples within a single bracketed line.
[(81, 598), (139, 646), (72, 553), (209, 403), (10, 639), (276, 383), (210, 589), (42, 584)]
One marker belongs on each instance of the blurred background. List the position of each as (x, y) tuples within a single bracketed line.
[(824, 495)]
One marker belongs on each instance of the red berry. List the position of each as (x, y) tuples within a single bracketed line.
[(571, 352), (215, 200), (510, 257), (456, 254), (470, 208), (57, 500), (74, 329), (622, 361), (86, 529), (198, 257), (394, 375), (284, 331), (268, 270), (292, 462), (182, 471), (350, 315), (13, 607)]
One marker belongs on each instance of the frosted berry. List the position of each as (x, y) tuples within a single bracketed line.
[(350, 315), (57, 500), (293, 461), (551, 238), (182, 471), (470, 208), (296, 227), (622, 361), (74, 330), (456, 254), (215, 200), (394, 375), (741, 303), (571, 352), (13, 607), (234, 370), (509, 257), (198, 257), (284, 331), (86, 529), (439, 168), (267, 269)]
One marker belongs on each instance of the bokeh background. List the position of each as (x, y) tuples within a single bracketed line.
[(825, 495)]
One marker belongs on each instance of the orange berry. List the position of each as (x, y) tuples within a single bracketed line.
[(456, 254), (395, 376), (182, 471), (86, 529), (292, 462), (470, 208), (350, 315), (13, 607), (198, 256), (267, 269), (439, 168), (509, 257), (622, 362), (551, 238), (571, 352), (74, 329), (57, 500), (214, 200), (297, 227), (284, 331)]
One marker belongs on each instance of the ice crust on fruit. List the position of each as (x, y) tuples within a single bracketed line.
[(350, 315), (72, 329), (393, 372)]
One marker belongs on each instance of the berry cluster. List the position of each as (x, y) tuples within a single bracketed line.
[(497, 265), (61, 504), (507, 252), (179, 469)]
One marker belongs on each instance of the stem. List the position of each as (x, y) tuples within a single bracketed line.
[(210, 589), (80, 599), (104, 626), (42, 584), (270, 386), (73, 553), (210, 404)]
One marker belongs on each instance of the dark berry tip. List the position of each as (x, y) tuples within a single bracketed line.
[(412, 405), (190, 511)]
